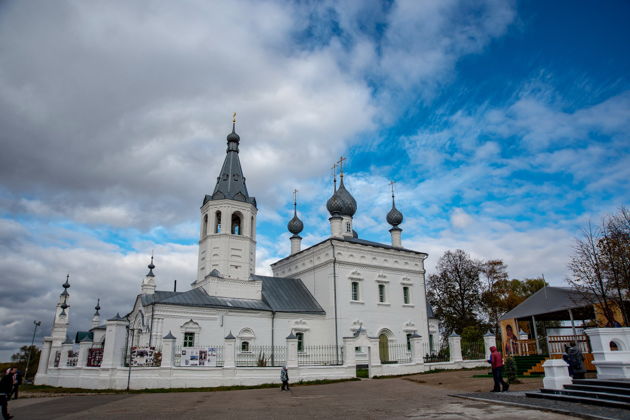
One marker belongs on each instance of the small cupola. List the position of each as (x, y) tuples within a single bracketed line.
[(295, 226), (395, 218), (148, 283)]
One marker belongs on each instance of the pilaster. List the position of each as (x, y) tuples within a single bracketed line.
[(455, 347)]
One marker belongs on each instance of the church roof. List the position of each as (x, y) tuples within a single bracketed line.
[(278, 295), (231, 182), (288, 295)]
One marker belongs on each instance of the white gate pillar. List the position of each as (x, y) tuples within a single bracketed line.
[(292, 351), (455, 347), (489, 340), (229, 349), (168, 350), (417, 349), (84, 348), (115, 339)]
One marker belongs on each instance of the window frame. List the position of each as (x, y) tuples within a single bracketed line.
[(300, 341), (406, 295), (382, 294), (354, 291), (189, 339)]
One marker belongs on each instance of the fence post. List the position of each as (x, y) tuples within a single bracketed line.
[(349, 354), (66, 346), (115, 338), (489, 340), (84, 348), (229, 350), (168, 350), (417, 348), (292, 353), (455, 347)]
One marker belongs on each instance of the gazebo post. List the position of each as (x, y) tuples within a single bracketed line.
[(572, 324), (535, 334)]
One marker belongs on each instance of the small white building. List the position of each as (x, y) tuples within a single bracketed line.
[(334, 289)]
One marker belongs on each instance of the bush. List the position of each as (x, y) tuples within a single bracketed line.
[(510, 369)]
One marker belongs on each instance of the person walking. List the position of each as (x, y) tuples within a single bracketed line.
[(576, 361), (284, 377), (496, 361), (6, 387), (17, 381)]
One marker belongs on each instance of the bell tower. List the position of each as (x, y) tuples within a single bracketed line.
[(227, 241)]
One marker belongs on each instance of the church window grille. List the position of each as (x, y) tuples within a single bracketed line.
[(217, 222), (406, 298), (189, 339), (348, 227), (236, 224), (381, 293), (300, 341), (245, 346), (355, 290)]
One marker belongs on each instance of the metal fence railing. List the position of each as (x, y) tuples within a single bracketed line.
[(262, 356), (324, 355), (473, 350), (397, 353), (432, 356), (209, 355)]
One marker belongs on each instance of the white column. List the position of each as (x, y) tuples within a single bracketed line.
[(168, 350), (396, 237), (489, 340), (375, 357), (417, 349), (42, 368), (115, 339), (556, 374), (292, 352), (455, 347), (229, 349), (84, 348), (296, 244)]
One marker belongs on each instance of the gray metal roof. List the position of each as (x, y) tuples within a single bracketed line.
[(548, 300), (231, 182), (278, 295), (288, 295)]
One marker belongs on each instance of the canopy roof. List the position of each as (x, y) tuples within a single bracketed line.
[(550, 300)]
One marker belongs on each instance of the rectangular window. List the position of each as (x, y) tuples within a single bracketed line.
[(355, 290), (348, 227), (409, 342), (381, 293), (300, 341), (189, 339), (406, 295)]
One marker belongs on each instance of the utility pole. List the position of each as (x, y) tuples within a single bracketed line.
[(30, 350)]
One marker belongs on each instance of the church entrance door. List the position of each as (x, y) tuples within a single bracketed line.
[(383, 348)]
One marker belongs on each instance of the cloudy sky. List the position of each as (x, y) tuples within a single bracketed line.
[(504, 124)]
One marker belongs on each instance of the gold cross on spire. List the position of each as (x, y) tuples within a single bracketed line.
[(391, 184), (234, 118), (295, 196), (340, 162)]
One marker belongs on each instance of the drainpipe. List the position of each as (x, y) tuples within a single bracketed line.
[(332, 243), (273, 317)]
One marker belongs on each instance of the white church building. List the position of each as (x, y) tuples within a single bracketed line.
[(340, 303)]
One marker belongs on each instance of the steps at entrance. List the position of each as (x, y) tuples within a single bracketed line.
[(526, 363), (607, 393)]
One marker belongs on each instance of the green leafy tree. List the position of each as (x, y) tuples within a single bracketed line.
[(510, 369), (20, 359), (455, 291)]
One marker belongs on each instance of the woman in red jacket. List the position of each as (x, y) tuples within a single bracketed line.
[(496, 360)]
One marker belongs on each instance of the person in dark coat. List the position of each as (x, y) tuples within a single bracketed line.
[(17, 381), (6, 387), (284, 377), (565, 357), (576, 361), (496, 361)]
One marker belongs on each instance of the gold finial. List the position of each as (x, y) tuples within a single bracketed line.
[(234, 118)]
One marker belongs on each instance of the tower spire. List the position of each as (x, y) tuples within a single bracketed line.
[(334, 174), (295, 226)]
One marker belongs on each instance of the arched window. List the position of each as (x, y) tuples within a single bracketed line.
[(252, 228), (205, 225), (217, 222), (236, 224)]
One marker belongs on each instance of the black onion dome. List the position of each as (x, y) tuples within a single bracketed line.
[(295, 225), (349, 204), (394, 217), (334, 204), (233, 137)]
